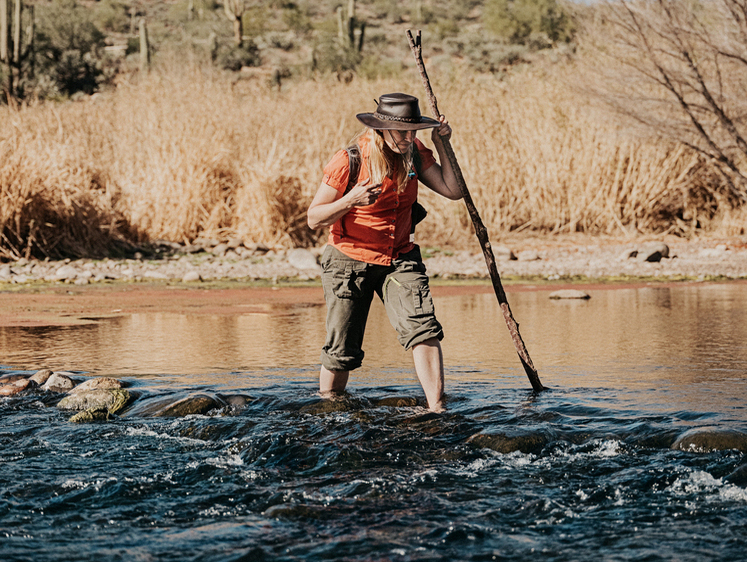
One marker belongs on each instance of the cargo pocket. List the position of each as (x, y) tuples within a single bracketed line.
[(414, 299), (347, 282)]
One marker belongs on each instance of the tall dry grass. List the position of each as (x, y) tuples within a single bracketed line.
[(194, 152)]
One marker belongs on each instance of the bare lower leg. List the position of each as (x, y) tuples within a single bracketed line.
[(332, 382), (429, 365)]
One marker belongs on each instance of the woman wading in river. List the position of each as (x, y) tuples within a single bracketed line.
[(371, 248)]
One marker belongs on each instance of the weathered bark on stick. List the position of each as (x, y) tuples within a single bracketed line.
[(480, 230)]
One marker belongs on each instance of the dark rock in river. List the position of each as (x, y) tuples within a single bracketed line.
[(41, 377), (58, 383), (397, 401), (328, 406), (195, 404), (739, 476), (706, 439), (569, 294), (508, 443)]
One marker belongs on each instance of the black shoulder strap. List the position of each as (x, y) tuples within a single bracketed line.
[(417, 162), (354, 165)]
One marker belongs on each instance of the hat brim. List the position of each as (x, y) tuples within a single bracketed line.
[(370, 120)]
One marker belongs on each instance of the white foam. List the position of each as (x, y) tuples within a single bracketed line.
[(709, 488), (82, 485), (146, 432), (228, 460)]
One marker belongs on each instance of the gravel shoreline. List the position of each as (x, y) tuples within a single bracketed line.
[(552, 259)]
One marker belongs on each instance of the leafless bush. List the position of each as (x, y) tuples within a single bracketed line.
[(678, 67)]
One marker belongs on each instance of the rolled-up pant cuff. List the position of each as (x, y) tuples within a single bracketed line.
[(340, 364), (435, 332)]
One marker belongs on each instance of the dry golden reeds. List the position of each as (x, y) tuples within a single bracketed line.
[(194, 152)]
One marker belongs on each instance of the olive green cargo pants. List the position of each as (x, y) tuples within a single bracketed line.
[(349, 286)]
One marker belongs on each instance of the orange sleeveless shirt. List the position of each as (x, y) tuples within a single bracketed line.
[(380, 232)]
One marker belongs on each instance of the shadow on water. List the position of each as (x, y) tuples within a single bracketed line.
[(637, 451)]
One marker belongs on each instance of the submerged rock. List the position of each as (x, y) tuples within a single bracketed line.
[(569, 294), (707, 439), (58, 383), (328, 406), (195, 404), (397, 401), (505, 443), (739, 476)]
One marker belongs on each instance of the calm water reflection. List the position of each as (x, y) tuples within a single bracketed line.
[(588, 471), (665, 337)]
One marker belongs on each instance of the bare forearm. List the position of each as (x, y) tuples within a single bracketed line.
[(327, 214), (447, 171)]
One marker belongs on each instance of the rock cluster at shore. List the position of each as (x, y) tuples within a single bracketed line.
[(211, 260), (101, 398)]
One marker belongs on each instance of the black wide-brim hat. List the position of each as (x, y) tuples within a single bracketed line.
[(399, 112)]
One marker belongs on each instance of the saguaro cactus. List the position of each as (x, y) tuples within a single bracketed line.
[(347, 26), (11, 53), (144, 47), (17, 31), (4, 36), (235, 11)]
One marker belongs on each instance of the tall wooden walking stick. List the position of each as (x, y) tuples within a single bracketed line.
[(480, 230)]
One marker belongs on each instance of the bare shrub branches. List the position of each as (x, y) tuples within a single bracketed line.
[(680, 68)]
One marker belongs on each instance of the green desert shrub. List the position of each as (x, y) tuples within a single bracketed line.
[(68, 50), (236, 57), (112, 15), (330, 56), (519, 20), (374, 68)]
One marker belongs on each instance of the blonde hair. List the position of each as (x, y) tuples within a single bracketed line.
[(382, 162)]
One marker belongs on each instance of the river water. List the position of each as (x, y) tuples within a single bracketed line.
[(592, 469)]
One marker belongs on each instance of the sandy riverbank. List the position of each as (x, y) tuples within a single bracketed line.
[(566, 258), (31, 293)]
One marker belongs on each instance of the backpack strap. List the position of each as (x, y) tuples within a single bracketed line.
[(354, 166)]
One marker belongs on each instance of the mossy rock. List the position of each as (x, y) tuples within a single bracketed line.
[(101, 414), (102, 404), (114, 400)]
